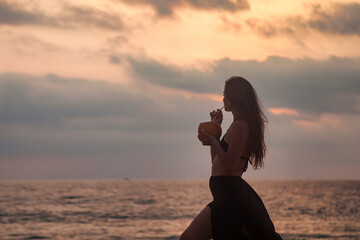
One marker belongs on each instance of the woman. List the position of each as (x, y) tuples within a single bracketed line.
[(236, 212)]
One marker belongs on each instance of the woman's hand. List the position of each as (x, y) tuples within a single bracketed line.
[(206, 139), (216, 116)]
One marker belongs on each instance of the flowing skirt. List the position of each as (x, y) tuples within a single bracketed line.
[(237, 211)]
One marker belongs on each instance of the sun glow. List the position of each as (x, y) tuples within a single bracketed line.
[(284, 111)]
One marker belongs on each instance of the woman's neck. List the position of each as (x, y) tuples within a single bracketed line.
[(236, 114)]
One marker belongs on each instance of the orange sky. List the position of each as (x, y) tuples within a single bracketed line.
[(188, 38)]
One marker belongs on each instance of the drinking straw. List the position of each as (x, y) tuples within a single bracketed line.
[(217, 114)]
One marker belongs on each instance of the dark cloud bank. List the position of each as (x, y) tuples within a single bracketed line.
[(53, 99), (331, 85), (99, 129), (73, 113), (56, 127), (307, 85), (63, 104)]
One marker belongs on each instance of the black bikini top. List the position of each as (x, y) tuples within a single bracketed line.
[(225, 146)]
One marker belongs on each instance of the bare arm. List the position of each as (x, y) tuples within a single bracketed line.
[(237, 138), (215, 116), (213, 154)]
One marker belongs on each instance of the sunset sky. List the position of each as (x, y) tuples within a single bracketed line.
[(108, 89)]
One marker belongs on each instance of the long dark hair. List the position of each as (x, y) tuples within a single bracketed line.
[(243, 96)]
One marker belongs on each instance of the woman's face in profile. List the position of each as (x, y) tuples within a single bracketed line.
[(226, 101)]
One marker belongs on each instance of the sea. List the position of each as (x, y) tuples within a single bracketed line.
[(162, 209)]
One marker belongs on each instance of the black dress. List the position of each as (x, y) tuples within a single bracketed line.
[(237, 211)]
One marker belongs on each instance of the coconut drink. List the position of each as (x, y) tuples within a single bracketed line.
[(212, 128)]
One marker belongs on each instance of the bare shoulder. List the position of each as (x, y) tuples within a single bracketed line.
[(239, 125), (239, 128)]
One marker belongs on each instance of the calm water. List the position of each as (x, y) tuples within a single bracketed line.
[(162, 209)]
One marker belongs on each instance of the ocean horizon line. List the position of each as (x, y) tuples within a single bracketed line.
[(170, 179)]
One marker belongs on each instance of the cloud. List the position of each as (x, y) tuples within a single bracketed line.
[(321, 147), (96, 129), (174, 77), (288, 26), (14, 15), (308, 85), (338, 19), (86, 16), (344, 19), (52, 99), (167, 7), (56, 127), (70, 16), (34, 44), (70, 111)]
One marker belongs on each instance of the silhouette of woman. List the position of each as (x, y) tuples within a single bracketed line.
[(236, 212)]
